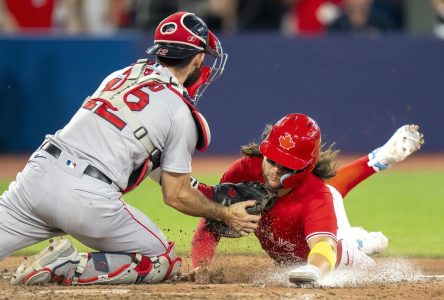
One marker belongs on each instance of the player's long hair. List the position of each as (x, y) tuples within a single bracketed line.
[(325, 167)]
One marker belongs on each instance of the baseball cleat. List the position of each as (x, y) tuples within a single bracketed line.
[(369, 242), (38, 268), (305, 274), (405, 141)]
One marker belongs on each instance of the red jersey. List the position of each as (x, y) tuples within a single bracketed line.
[(283, 231), (32, 13)]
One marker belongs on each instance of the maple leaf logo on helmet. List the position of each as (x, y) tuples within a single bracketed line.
[(286, 142)]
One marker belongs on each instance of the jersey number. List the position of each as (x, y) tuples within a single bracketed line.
[(104, 109)]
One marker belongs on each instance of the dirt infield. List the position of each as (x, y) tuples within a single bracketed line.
[(254, 277)]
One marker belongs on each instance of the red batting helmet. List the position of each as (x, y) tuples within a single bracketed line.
[(293, 142)]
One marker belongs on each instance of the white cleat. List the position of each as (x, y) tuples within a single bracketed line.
[(305, 274), (376, 242), (39, 268), (369, 242), (405, 141)]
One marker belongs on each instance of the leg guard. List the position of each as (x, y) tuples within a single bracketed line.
[(349, 256), (142, 269)]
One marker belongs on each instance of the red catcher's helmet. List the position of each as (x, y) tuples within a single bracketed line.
[(181, 35), (293, 142)]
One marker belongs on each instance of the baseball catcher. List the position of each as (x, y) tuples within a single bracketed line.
[(141, 119)]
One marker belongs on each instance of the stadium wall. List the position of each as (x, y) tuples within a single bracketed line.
[(359, 90)]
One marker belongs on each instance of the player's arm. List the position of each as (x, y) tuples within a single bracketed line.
[(320, 227), (321, 261), (178, 193), (322, 253), (203, 245)]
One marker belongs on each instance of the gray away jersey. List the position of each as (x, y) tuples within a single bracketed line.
[(101, 136)]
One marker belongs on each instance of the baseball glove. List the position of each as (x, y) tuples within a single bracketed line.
[(230, 193)]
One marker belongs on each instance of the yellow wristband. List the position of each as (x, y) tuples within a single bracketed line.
[(326, 250)]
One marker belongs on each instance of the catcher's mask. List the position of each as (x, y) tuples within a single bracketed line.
[(183, 34), (294, 142)]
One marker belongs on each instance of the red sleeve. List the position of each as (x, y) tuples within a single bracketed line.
[(350, 175), (207, 190), (203, 245), (319, 213), (204, 242), (244, 169)]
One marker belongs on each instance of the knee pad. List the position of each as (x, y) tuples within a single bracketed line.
[(164, 266)]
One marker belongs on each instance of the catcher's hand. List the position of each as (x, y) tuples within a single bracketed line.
[(228, 194)]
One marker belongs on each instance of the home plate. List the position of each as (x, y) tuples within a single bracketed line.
[(431, 277), (87, 291)]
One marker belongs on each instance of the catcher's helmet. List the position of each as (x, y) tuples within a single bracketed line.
[(181, 35), (293, 142)]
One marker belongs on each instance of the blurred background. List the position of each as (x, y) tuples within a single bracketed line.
[(360, 68)]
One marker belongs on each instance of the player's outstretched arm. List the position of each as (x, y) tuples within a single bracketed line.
[(321, 261), (178, 193)]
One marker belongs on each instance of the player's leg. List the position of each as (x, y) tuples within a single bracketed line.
[(18, 231), (350, 175), (61, 262), (349, 256), (141, 252), (20, 226), (404, 142), (366, 242)]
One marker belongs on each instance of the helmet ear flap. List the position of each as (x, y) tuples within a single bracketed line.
[(293, 179), (213, 44)]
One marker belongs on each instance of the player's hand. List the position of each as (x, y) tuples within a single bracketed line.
[(240, 220)]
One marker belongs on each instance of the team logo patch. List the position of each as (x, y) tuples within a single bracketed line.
[(168, 28), (70, 164), (162, 51), (286, 142)]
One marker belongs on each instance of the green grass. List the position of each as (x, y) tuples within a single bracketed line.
[(407, 206)]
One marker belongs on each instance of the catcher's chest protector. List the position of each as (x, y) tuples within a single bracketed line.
[(145, 73)]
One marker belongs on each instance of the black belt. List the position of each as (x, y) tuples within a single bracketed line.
[(90, 170)]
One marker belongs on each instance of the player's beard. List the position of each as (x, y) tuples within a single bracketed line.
[(273, 185), (193, 77)]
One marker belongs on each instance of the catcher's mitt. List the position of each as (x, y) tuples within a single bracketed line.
[(230, 193)]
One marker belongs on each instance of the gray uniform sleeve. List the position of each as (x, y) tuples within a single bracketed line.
[(180, 144)]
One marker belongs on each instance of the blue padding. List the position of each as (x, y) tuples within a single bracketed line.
[(359, 90)]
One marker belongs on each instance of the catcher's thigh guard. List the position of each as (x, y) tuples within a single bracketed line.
[(142, 269)]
